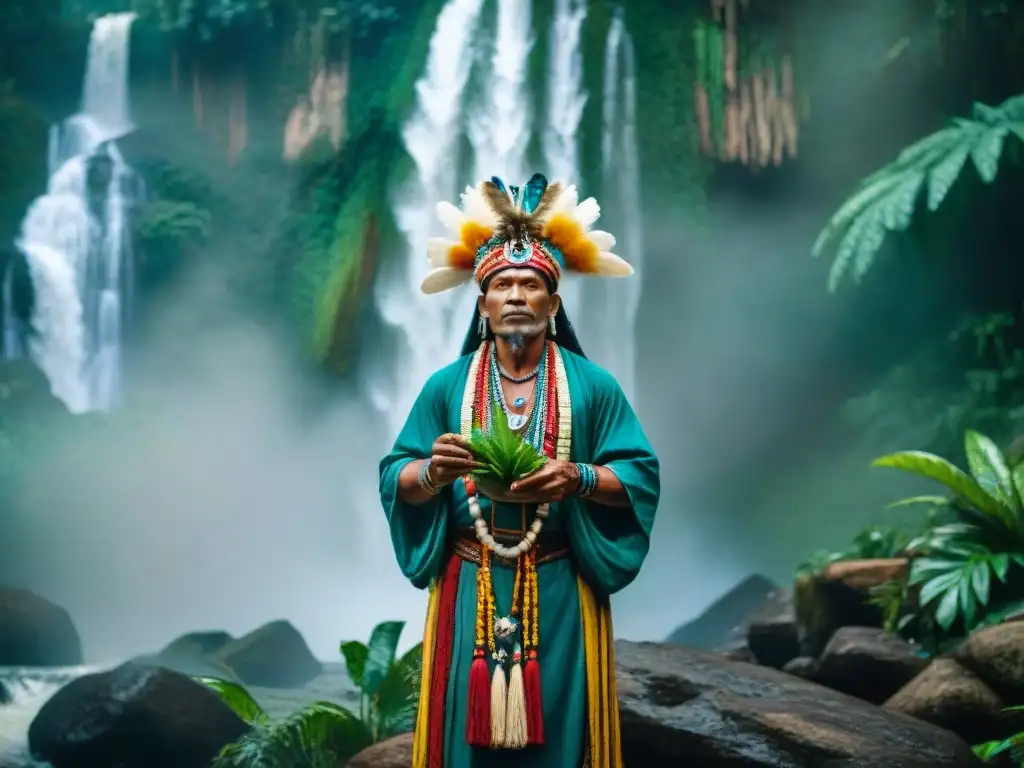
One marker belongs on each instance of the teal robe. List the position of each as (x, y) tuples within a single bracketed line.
[(608, 544)]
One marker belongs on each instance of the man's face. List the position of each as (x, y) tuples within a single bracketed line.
[(517, 303)]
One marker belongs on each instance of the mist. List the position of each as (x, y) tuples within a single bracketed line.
[(221, 498)]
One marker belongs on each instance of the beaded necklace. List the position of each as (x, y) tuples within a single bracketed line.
[(533, 420), (506, 712)]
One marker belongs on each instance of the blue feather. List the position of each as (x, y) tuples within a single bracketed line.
[(499, 184), (515, 195), (534, 191)]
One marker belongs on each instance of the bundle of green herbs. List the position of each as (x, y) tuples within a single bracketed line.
[(505, 456)]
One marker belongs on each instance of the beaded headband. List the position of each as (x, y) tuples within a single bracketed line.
[(545, 228)]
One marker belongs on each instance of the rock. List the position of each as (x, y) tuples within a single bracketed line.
[(684, 707), (194, 654), (772, 631), (35, 632), (838, 597), (740, 654), (803, 667), (996, 655), (948, 695), (6, 697), (206, 643), (868, 663), (722, 624), (133, 717), (395, 752), (273, 656)]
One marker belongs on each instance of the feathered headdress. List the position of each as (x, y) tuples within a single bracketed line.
[(545, 228)]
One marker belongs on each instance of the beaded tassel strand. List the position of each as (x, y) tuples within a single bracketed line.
[(478, 716), (531, 671)]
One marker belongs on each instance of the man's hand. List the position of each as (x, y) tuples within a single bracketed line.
[(552, 482), (450, 459)]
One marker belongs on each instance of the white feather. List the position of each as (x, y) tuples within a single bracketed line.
[(437, 251), (475, 208), (444, 278), (610, 265), (587, 213), (604, 241), (451, 217), (565, 202)]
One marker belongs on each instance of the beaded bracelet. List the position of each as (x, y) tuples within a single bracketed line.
[(424, 479), (588, 480)]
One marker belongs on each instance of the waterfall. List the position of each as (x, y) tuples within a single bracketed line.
[(616, 323), (498, 127), (565, 103), (76, 239)]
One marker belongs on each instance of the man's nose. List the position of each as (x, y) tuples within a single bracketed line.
[(516, 295)]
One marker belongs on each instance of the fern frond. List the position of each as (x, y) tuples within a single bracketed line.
[(887, 199)]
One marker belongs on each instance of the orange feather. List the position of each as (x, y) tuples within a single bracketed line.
[(473, 235), (581, 255), (461, 257)]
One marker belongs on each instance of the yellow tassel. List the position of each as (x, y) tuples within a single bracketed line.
[(515, 716), (499, 694)]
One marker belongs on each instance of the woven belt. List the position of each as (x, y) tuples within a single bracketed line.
[(550, 546)]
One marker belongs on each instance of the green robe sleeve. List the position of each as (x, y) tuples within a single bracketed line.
[(418, 532), (612, 542)]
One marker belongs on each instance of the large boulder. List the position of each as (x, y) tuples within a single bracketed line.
[(395, 752), (948, 695), (272, 656), (772, 631), (198, 643), (839, 596), (6, 697), (684, 707), (722, 625), (996, 655), (868, 663), (35, 632), (133, 716)]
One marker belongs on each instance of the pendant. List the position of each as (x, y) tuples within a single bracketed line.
[(516, 421), (505, 627), (519, 402)]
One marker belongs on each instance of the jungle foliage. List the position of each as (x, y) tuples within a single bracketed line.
[(324, 734)]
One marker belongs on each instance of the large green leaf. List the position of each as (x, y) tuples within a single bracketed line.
[(382, 648), (987, 150), (236, 697), (942, 471), (355, 653), (397, 696), (988, 465), (325, 726)]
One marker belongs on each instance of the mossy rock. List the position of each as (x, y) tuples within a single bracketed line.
[(272, 656), (205, 642)]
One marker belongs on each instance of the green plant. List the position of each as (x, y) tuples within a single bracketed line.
[(953, 564), (887, 200), (870, 543), (388, 685), (1011, 747), (506, 456), (324, 734)]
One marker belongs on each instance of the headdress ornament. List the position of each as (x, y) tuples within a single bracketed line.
[(545, 228)]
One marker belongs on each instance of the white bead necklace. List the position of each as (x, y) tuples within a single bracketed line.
[(485, 537)]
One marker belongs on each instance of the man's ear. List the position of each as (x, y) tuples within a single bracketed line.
[(556, 304), (480, 305)]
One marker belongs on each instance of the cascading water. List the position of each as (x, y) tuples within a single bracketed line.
[(431, 328), (565, 102), (76, 240), (620, 299), (498, 127)]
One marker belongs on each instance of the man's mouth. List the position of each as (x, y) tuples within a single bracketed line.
[(518, 316)]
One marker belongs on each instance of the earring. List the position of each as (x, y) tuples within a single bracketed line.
[(481, 327), (551, 325)]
